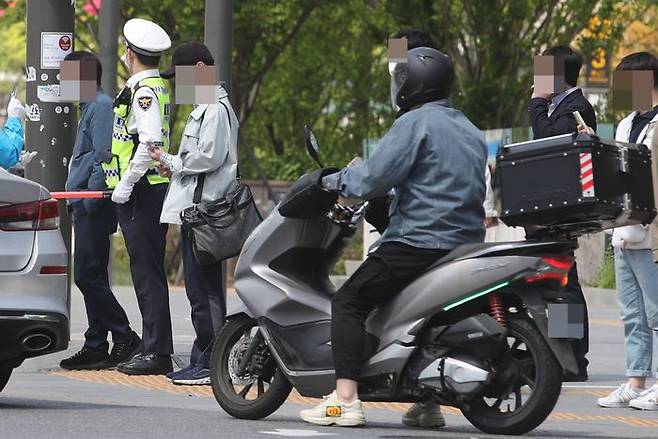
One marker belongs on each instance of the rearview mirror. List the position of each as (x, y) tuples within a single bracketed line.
[(312, 145)]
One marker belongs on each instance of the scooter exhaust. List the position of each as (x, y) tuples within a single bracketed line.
[(37, 342)]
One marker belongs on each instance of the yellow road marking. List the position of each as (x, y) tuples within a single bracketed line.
[(161, 383)]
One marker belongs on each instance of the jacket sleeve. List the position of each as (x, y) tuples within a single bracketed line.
[(100, 125), (214, 143), (388, 165), (11, 142), (542, 126), (149, 129)]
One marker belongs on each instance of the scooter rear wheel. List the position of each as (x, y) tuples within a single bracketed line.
[(532, 396), (246, 395)]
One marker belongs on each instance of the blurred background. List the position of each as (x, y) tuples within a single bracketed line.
[(324, 63)]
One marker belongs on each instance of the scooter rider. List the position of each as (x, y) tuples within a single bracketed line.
[(434, 158), (141, 121)]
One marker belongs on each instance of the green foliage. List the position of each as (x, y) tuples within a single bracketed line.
[(324, 62), (606, 277)]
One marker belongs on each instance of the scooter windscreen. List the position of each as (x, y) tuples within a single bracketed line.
[(306, 198)]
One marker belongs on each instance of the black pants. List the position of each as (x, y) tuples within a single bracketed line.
[(92, 252), (203, 285), (385, 272), (575, 295), (145, 240)]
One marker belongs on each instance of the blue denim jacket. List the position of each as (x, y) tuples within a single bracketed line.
[(94, 134), (434, 158), (11, 142)]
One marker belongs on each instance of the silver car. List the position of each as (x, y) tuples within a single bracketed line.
[(34, 298)]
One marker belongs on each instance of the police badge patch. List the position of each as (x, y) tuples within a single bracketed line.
[(144, 102)]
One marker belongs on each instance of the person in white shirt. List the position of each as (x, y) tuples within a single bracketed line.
[(635, 271)]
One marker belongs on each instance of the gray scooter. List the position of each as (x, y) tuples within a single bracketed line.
[(471, 332)]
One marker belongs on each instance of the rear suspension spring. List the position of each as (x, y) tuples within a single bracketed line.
[(496, 309)]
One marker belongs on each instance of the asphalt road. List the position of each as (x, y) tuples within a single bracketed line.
[(41, 402)]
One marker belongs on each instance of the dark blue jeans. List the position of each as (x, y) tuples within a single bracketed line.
[(92, 252), (203, 285)]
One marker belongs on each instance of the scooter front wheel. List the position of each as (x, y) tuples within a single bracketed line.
[(246, 388)]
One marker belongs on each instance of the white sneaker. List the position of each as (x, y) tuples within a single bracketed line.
[(333, 412), (620, 397), (648, 400), (424, 414)]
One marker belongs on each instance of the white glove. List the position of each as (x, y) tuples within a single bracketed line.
[(121, 193), (24, 158), (16, 108)]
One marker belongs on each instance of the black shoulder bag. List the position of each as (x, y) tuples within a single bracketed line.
[(218, 229)]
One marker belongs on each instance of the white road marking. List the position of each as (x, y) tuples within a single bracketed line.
[(296, 433)]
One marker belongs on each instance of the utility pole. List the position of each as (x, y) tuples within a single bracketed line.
[(218, 36), (109, 41), (50, 126)]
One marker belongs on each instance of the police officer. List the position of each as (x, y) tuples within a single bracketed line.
[(141, 120)]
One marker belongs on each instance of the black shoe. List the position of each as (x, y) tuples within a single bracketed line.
[(147, 364), (122, 352), (85, 359)]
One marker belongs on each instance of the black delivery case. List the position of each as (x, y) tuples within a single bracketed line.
[(575, 182)]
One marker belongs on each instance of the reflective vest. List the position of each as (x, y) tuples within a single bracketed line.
[(124, 144)]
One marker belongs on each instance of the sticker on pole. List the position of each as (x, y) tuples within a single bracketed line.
[(48, 93), (587, 174), (54, 47)]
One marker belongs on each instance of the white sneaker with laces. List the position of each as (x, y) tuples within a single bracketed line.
[(620, 397), (333, 412), (425, 415), (648, 400)]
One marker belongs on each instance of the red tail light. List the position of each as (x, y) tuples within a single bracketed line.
[(38, 215), (559, 270), (53, 269), (561, 263)]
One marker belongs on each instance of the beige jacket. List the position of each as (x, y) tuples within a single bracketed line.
[(208, 145)]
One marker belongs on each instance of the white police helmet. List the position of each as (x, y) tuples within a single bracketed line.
[(145, 37)]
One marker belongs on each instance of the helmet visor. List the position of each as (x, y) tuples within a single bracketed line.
[(399, 73)]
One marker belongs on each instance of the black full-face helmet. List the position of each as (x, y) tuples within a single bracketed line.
[(428, 75)]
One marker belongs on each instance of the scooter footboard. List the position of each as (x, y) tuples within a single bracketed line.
[(561, 347)]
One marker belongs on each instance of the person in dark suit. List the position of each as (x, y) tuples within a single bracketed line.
[(551, 114)]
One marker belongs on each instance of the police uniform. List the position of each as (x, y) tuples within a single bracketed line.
[(141, 120)]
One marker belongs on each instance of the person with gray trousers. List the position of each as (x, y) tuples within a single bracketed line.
[(207, 162)]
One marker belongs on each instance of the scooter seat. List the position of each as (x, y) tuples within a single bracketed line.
[(517, 248)]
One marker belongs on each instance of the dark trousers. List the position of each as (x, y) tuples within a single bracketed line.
[(385, 272), (203, 285), (145, 240), (575, 295), (92, 252)]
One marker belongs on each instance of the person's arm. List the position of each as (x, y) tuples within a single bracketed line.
[(542, 126), (491, 214), (100, 126), (386, 167), (146, 111), (212, 149), (11, 142), (100, 131)]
